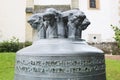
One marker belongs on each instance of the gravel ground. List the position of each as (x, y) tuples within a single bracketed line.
[(114, 57)]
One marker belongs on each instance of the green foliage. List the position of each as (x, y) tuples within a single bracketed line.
[(12, 45), (7, 63), (117, 34), (27, 43), (113, 69)]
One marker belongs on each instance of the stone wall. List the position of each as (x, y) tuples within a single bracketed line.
[(107, 47), (42, 8), (28, 29)]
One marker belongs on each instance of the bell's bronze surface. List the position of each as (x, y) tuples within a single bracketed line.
[(60, 53)]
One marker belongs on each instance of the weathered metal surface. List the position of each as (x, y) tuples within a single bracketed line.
[(53, 23), (60, 54), (60, 60)]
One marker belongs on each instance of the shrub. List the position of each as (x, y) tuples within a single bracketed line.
[(117, 34), (13, 45), (27, 43)]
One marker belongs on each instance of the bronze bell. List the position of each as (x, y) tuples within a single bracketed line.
[(60, 54)]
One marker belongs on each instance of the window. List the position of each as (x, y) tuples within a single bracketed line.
[(93, 4)]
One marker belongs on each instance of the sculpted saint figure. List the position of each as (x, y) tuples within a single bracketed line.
[(36, 21), (75, 19), (85, 24), (59, 22), (50, 21), (56, 24), (82, 27)]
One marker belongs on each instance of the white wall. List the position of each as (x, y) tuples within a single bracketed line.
[(12, 19), (101, 19), (115, 10), (52, 2)]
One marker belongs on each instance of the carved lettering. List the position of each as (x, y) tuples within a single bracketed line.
[(59, 65)]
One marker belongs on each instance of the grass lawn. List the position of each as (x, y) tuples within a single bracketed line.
[(113, 69), (7, 61)]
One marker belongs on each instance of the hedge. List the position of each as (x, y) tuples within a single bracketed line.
[(13, 45)]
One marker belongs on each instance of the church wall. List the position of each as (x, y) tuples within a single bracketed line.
[(12, 19), (29, 11), (53, 2), (100, 19), (28, 29)]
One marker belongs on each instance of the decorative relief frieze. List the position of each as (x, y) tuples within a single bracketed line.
[(54, 64)]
